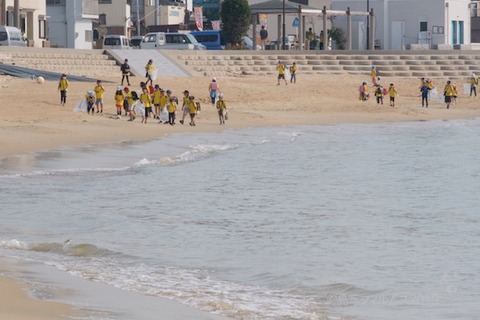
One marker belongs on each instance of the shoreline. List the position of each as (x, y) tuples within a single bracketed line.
[(35, 122)]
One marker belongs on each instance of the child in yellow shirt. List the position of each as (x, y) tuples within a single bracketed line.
[(119, 100), (172, 108), (222, 109)]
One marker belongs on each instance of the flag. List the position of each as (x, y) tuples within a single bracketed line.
[(199, 18), (216, 25)]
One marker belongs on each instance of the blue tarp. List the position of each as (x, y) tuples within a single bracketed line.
[(28, 73)]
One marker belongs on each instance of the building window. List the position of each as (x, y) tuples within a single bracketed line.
[(42, 27), (102, 18), (55, 2), (104, 1), (423, 26), (88, 35)]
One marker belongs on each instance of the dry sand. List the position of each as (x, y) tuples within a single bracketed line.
[(33, 120)]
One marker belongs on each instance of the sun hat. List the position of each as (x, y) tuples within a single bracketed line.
[(119, 88)]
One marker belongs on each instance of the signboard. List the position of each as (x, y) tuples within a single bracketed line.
[(295, 22)]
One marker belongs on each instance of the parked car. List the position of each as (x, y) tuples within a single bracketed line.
[(11, 36), (170, 40), (247, 42), (135, 41), (115, 41), (211, 39)]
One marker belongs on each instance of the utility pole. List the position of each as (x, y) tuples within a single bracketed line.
[(156, 12), (368, 25), (16, 13), (283, 28), (138, 18)]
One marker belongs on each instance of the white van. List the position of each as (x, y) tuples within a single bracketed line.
[(115, 41), (11, 36), (170, 40)]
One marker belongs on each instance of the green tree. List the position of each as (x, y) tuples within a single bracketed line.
[(236, 17)]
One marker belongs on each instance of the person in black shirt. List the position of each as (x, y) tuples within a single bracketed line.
[(125, 68)]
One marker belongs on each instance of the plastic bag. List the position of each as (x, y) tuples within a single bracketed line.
[(139, 108), (433, 94), (81, 106), (466, 88), (164, 115)]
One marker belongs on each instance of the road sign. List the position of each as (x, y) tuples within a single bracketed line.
[(295, 22)]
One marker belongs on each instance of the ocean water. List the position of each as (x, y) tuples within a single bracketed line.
[(377, 221)]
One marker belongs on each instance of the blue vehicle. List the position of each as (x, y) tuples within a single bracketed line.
[(211, 39)]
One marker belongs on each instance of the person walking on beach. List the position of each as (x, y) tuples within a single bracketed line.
[(149, 72), (146, 99), (192, 109), (221, 108), (99, 91), (281, 68), (63, 88), (214, 90), (473, 84), (392, 92), (379, 93), (263, 37), (424, 90), (363, 91), (157, 93), (374, 75), (90, 99), (119, 101), (130, 102), (293, 73), (449, 93), (172, 108), (125, 68), (185, 103)]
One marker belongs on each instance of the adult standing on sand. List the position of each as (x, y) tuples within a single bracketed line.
[(149, 71), (125, 68), (473, 84), (213, 89)]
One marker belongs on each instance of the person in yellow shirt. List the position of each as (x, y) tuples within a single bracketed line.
[(172, 108), (293, 73), (473, 84), (149, 68), (185, 103), (146, 99), (281, 68), (119, 100), (449, 92), (90, 99), (192, 109), (392, 92), (164, 100), (221, 108), (373, 75), (130, 102), (63, 87), (99, 90), (156, 101)]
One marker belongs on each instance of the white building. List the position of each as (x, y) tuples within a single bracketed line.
[(409, 24), (114, 16), (71, 23), (30, 17)]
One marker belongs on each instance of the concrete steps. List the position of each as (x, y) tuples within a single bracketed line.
[(405, 64), (76, 62)]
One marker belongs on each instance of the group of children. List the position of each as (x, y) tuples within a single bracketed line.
[(379, 92), (150, 102)]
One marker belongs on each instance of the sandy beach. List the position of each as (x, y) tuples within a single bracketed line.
[(33, 120)]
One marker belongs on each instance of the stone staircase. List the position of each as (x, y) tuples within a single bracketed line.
[(75, 62), (430, 64)]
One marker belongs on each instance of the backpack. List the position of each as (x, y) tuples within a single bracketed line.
[(134, 95)]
